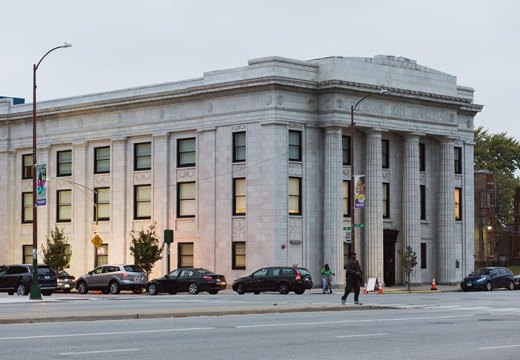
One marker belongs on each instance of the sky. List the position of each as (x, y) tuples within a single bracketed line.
[(121, 44)]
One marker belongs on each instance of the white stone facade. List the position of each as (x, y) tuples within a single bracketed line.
[(266, 99)]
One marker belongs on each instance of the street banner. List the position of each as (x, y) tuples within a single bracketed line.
[(359, 196), (41, 184)]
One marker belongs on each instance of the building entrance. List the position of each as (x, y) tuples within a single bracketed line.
[(389, 240)]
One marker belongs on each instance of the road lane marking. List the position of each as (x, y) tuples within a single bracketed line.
[(98, 352), (103, 333), (356, 321), (359, 335), (499, 347)]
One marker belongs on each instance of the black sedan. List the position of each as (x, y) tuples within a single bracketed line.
[(66, 282), (489, 278), (192, 280), (277, 278)]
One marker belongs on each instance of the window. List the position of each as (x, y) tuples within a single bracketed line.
[(239, 146), (64, 209), (295, 199), (239, 256), (385, 149), (100, 256), (346, 150), (423, 202), (386, 200), (186, 199), (239, 196), (64, 163), (458, 160), (102, 160), (423, 255), (186, 152), (143, 156), (142, 202), (27, 207), (422, 157), (295, 145), (27, 254), (458, 204), (346, 198), (185, 255), (27, 166), (102, 199)]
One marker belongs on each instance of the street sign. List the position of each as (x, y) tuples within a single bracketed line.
[(348, 238), (359, 225), (96, 240), (347, 228)]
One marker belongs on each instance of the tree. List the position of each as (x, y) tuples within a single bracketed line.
[(500, 154), (408, 262), (145, 248), (57, 254)]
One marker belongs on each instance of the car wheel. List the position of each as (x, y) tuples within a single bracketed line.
[(299, 291), (241, 289), (138, 291), (82, 288), (256, 292), (47, 293), (511, 286), (193, 289), (113, 287), (213, 292), (283, 288), (21, 290), (488, 286), (152, 289)]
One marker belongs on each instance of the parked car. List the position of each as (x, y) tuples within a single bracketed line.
[(192, 280), (112, 279), (517, 281), (279, 278), (488, 278), (18, 279), (66, 282)]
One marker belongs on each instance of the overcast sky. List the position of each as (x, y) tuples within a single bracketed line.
[(126, 43)]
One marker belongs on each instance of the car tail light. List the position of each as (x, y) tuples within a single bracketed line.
[(124, 274), (207, 278), (298, 276)]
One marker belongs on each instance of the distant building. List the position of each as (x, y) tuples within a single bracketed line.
[(508, 248), (252, 167), (485, 218)]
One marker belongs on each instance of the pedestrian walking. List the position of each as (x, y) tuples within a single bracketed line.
[(354, 277), (326, 279)]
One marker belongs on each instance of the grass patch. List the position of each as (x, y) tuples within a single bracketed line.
[(515, 269)]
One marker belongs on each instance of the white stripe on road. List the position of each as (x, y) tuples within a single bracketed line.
[(103, 334), (98, 352), (499, 347), (355, 321), (359, 335)]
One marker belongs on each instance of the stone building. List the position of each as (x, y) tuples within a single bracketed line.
[(252, 167)]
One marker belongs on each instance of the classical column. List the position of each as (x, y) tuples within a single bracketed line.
[(446, 252), (373, 240), (121, 206), (411, 228), (333, 204)]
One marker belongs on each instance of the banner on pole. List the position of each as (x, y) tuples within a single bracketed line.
[(359, 196), (41, 184)]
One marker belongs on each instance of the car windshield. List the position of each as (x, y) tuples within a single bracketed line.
[(133, 268), (304, 271), (480, 272), (62, 273)]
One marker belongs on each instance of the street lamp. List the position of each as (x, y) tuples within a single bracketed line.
[(35, 287), (352, 179)]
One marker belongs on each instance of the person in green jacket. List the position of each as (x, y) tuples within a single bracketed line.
[(326, 279)]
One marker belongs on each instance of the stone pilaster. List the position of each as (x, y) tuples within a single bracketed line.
[(373, 240), (411, 228), (446, 216), (333, 200), (82, 203), (121, 195)]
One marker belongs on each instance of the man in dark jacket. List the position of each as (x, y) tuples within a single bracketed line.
[(354, 279)]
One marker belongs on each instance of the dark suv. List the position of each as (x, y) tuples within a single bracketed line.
[(278, 278), (18, 279)]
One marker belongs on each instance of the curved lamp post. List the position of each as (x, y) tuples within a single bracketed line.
[(35, 287), (352, 179)]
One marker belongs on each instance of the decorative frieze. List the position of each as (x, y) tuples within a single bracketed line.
[(239, 229), (239, 170), (142, 178), (185, 175), (295, 169), (295, 229)]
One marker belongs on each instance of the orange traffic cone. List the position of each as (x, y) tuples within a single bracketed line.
[(98, 291), (380, 289), (434, 286), (365, 291)]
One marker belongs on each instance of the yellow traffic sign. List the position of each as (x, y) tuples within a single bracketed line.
[(97, 241)]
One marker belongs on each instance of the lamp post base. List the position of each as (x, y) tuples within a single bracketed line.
[(36, 293)]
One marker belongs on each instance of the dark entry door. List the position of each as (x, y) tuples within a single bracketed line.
[(389, 239)]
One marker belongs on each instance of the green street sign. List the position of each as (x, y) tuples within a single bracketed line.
[(359, 225), (347, 227)]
